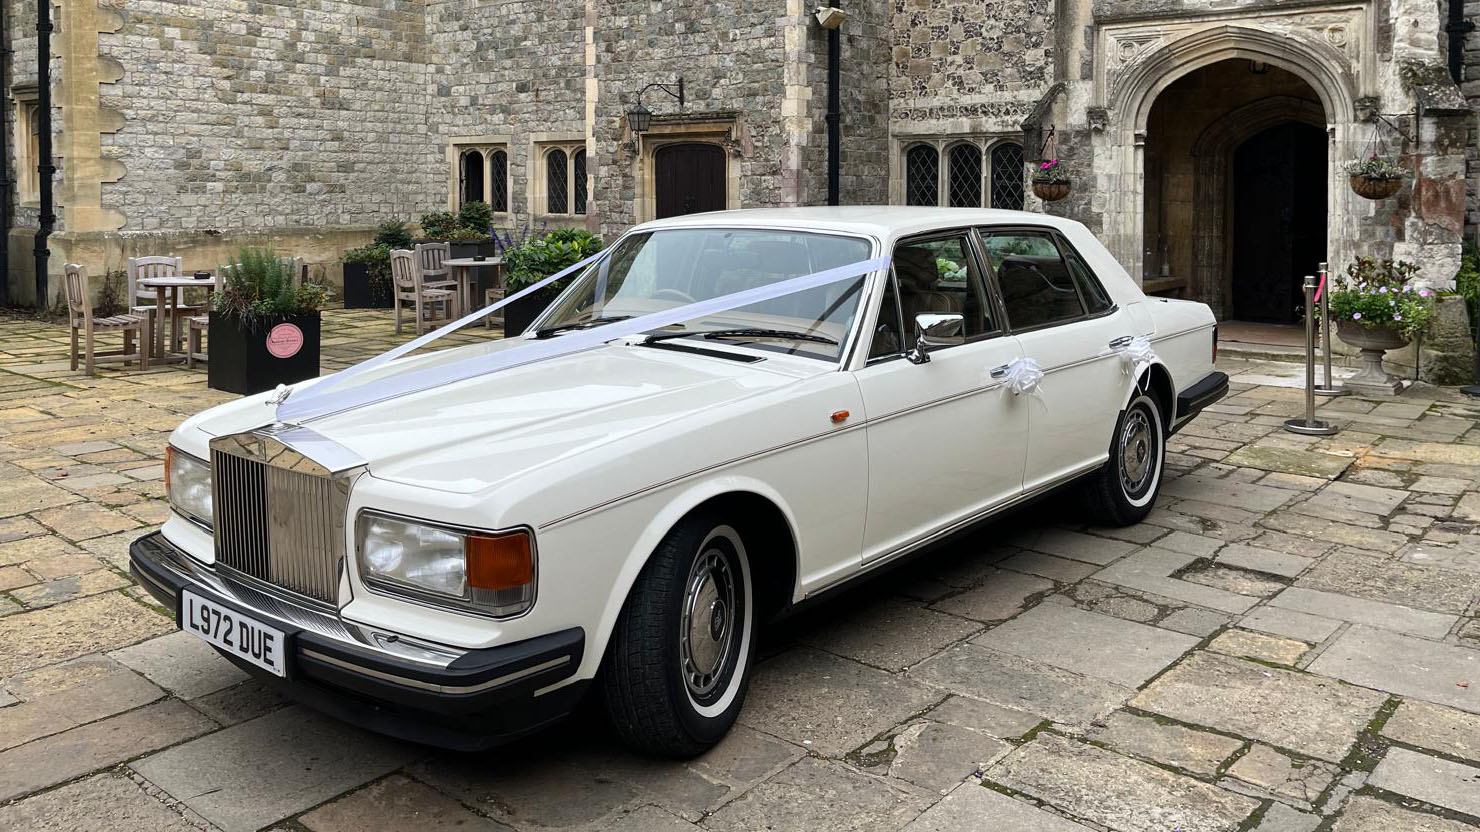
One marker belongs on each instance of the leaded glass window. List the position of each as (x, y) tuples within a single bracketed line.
[(472, 176), (556, 194), (964, 179), (498, 177), (1007, 176), (922, 176), (578, 181)]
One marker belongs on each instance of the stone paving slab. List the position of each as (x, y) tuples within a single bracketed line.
[(1360, 611), (974, 808), (1299, 711), (239, 778), (1436, 728), (61, 757), (1125, 795), (1093, 645), (1200, 752), (1430, 779), (182, 664), (1406, 666), (397, 802), (1366, 814), (828, 704), (1359, 575), (1014, 682), (105, 803), (853, 801)]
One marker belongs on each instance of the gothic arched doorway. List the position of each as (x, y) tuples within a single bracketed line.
[(1235, 172)]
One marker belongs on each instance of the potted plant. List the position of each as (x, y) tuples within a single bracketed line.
[(367, 269), (1375, 311), (264, 325), (1052, 183), (1375, 177), (467, 230), (536, 259)]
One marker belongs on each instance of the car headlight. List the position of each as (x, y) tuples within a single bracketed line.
[(490, 572), (187, 481)]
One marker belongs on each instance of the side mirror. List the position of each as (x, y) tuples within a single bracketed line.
[(934, 330)]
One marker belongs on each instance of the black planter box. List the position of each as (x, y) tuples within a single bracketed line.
[(360, 292), (240, 361), (522, 312), (487, 249)]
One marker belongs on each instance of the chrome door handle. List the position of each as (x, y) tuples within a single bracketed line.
[(999, 372), (1122, 341)]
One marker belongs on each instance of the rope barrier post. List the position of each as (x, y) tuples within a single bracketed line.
[(1328, 386), (1309, 426)]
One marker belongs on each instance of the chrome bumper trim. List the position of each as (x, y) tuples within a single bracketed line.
[(497, 681)]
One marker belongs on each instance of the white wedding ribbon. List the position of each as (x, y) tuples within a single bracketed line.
[(1137, 356), (1023, 376), (322, 399)]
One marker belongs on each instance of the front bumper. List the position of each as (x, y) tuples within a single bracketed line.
[(458, 699)]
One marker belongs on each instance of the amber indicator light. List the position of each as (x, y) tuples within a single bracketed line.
[(169, 457), (499, 562), (839, 416)]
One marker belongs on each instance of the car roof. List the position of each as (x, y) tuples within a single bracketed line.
[(886, 222)]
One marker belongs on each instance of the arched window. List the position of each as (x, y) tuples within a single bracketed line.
[(922, 176), (1007, 176), (498, 180), (556, 193), (964, 176), (471, 176), (578, 182)]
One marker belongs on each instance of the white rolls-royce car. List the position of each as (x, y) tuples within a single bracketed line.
[(619, 519)]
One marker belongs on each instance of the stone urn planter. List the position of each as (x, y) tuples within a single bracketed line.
[(1373, 342), (1369, 187), (1050, 190)]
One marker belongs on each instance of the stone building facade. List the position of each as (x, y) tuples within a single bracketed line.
[(1196, 131)]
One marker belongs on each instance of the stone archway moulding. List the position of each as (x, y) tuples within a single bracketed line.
[(1133, 90)]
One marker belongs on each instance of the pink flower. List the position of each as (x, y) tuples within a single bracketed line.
[(1423, 293), (1397, 317), (1356, 316)]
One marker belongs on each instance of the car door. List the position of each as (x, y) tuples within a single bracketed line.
[(945, 438), (1062, 318)]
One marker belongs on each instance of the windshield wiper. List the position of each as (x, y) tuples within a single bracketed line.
[(547, 331), (748, 332)]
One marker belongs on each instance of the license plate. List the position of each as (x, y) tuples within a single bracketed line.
[(240, 635)]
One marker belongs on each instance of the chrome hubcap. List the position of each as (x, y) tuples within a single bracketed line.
[(707, 630), (1136, 452)]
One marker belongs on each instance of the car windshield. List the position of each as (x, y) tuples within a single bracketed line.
[(660, 270)]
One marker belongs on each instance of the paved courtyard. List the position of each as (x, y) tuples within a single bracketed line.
[(1289, 643)]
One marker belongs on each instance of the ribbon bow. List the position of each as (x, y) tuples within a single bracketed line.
[(1137, 355), (1023, 375)]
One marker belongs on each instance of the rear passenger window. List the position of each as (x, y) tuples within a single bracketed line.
[(1036, 284), (1095, 296)]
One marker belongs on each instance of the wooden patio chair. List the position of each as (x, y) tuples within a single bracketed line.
[(435, 273), (410, 287), (80, 320), (154, 266), (492, 295), (197, 326)]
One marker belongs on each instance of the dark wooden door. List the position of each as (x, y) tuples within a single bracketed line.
[(689, 178), (1279, 220)]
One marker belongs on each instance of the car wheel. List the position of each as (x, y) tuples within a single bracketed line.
[(679, 659), (1123, 491)]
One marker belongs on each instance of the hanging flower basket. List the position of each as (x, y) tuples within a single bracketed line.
[(1369, 187), (1375, 177), (1052, 190)]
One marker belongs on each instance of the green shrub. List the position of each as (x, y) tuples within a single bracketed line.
[(262, 285), (476, 215), (463, 234), (438, 224), (393, 234), (540, 257)]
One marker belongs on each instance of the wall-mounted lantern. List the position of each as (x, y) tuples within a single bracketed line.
[(640, 118)]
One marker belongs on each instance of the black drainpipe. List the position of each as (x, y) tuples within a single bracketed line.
[(5, 181), (1457, 27), (834, 114), (44, 168)]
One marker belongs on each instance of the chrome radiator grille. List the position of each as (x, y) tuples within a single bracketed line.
[(279, 517)]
